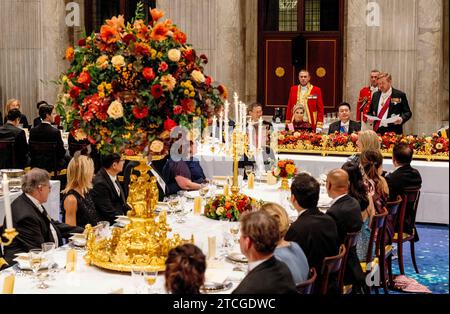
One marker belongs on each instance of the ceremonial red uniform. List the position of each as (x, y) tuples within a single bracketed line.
[(314, 110), (365, 99)]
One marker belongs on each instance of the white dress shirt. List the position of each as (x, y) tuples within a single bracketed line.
[(346, 125), (160, 180), (253, 265), (114, 180), (383, 98), (41, 209)]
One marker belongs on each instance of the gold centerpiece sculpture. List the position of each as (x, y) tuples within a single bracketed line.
[(144, 242)]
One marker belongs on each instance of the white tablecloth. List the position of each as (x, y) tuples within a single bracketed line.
[(434, 199), (52, 205)]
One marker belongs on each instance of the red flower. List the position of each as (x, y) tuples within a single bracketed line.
[(82, 42), (189, 55), (129, 38), (188, 105), (157, 91), (204, 58), (163, 67), (140, 113), (229, 215), (71, 75), (75, 92), (177, 110), (84, 78), (142, 49), (180, 37), (208, 80), (91, 140), (129, 152), (148, 74), (169, 124)]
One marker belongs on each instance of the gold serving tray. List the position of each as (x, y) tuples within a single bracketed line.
[(343, 153), (127, 268)]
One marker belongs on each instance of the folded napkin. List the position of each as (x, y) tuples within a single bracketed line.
[(216, 275), (8, 284)]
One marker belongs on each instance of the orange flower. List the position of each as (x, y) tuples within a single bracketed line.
[(156, 14), (109, 34), (141, 30), (159, 32), (70, 53), (180, 37), (142, 49), (223, 91), (118, 23)]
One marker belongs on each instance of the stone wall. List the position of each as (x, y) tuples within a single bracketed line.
[(408, 43)]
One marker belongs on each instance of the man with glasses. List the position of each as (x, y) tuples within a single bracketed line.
[(31, 220)]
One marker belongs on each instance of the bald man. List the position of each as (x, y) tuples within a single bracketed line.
[(346, 212)]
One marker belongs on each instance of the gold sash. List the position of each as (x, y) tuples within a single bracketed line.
[(303, 100)]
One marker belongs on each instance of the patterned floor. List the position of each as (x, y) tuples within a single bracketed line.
[(432, 258)]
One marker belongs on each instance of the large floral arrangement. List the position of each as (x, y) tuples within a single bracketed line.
[(284, 169), (229, 207), (130, 84), (423, 146)]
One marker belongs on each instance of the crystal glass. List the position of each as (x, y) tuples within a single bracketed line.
[(174, 204), (137, 277), (48, 250), (150, 278), (234, 230), (36, 260), (248, 170), (204, 189)]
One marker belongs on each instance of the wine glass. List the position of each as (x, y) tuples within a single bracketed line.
[(36, 260), (137, 276), (234, 230), (47, 250), (248, 170), (150, 277), (174, 204), (204, 189)]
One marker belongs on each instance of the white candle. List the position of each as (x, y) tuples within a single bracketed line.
[(214, 126), (220, 127), (236, 108), (8, 214), (244, 114), (250, 134), (260, 131)]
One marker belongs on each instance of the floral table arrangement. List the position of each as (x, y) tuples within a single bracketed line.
[(285, 170), (230, 207), (432, 147), (130, 84)]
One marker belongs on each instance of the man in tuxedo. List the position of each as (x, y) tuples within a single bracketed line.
[(12, 131), (266, 275), (386, 103), (310, 97), (344, 125), (404, 176), (107, 193), (365, 96), (315, 232), (346, 212), (45, 132), (31, 220)]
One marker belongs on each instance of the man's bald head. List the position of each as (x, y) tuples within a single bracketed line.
[(337, 182)]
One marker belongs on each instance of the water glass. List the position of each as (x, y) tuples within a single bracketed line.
[(36, 260), (137, 277), (150, 277), (47, 250)]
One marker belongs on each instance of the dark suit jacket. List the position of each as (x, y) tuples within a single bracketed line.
[(354, 127), (107, 202), (401, 109), (20, 144), (317, 235), (37, 121), (404, 177), (23, 121), (270, 277), (33, 228), (346, 212), (46, 133)]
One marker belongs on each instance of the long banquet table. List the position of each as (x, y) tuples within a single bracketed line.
[(434, 199), (92, 280)]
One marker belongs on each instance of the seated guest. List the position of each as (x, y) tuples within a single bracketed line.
[(367, 140), (107, 193), (358, 188), (217, 111), (15, 104), (182, 172), (346, 212), (315, 232), (45, 132), (344, 125), (11, 131), (185, 270), (297, 122), (288, 252), (31, 220), (256, 112), (78, 207), (38, 120), (404, 176), (266, 275), (372, 165)]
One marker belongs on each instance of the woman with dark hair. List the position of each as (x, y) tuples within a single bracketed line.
[(185, 270), (358, 188), (378, 192)]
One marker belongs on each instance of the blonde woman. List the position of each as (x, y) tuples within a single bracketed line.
[(288, 252), (15, 104), (367, 140), (298, 122), (78, 208)]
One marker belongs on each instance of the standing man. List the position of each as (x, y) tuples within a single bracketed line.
[(344, 125), (310, 97), (365, 96), (386, 103)]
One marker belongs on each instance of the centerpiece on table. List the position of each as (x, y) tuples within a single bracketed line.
[(284, 170), (126, 88), (229, 207)]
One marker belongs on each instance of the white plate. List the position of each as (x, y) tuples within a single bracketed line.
[(237, 257), (22, 260), (192, 194), (78, 240)]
